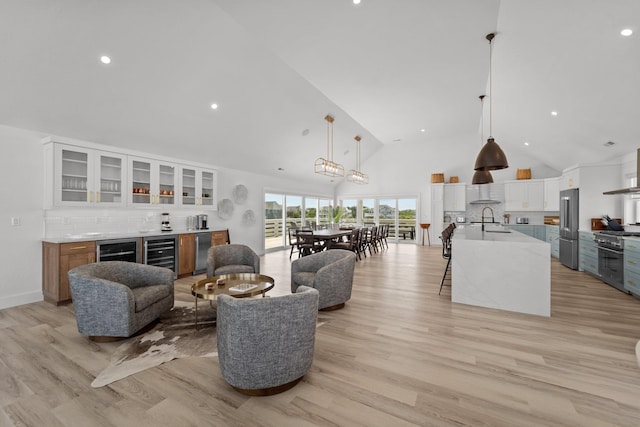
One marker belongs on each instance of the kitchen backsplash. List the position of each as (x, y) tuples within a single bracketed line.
[(474, 214), (61, 222)]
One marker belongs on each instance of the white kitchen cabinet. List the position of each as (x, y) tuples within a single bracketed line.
[(87, 177), (198, 187), (552, 194), (455, 197), (570, 178), (152, 183), (524, 195)]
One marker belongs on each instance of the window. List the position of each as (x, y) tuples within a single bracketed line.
[(399, 213), (284, 211)]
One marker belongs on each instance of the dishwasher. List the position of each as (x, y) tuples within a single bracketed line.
[(203, 243), (118, 250), (161, 251)]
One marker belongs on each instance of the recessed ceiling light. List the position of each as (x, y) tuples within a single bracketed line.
[(554, 113), (280, 169), (214, 106), (626, 32), (608, 143), (396, 140), (423, 130), (356, 1), (526, 143), (105, 59)]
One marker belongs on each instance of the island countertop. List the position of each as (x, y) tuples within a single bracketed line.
[(506, 271), (494, 233)]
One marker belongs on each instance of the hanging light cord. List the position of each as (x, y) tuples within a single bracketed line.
[(329, 120), (481, 120), (490, 38)]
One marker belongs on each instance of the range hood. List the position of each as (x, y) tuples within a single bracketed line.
[(484, 196), (630, 190), (485, 202)]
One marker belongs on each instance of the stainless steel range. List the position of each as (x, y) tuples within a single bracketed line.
[(611, 256)]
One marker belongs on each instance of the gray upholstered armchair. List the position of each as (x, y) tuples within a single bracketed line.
[(330, 272), (229, 259), (118, 298), (265, 345)]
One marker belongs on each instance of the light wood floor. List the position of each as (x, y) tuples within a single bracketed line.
[(397, 355)]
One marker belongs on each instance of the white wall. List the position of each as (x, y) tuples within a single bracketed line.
[(21, 192), (253, 235)]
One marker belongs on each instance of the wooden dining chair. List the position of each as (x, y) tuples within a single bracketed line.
[(306, 243)]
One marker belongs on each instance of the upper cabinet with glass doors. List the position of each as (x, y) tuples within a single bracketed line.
[(152, 183), (87, 177), (198, 187)]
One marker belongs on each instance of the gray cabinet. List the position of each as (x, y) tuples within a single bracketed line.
[(551, 236), (587, 253), (632, 266)]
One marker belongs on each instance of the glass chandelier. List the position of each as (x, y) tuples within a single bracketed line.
[(355, 175), (328, 166)]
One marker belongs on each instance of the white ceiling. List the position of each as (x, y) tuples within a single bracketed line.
[(384, 69)]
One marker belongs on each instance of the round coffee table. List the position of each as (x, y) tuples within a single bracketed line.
[(240, 285)]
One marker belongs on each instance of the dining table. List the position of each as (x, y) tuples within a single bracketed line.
[(323, 236)]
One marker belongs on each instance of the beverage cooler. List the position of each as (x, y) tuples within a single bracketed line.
[(118, 250), (161, 251)]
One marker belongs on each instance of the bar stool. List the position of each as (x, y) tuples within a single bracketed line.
[(425, 229)]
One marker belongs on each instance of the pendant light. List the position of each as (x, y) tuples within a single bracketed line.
[(491, 156), (355, 175), (482, 176), (328, 166)]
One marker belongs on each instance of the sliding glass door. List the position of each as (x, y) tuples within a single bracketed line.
[(273, 221)]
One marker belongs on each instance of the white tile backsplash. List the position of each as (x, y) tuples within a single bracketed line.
[(59, 223)]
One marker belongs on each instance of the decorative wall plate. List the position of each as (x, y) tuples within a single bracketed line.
[(240, 194), (225, 209), (248, 218)]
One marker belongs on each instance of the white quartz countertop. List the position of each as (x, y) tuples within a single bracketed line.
[(68, 238), (494, 234)]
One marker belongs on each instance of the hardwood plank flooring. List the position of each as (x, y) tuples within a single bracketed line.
[(398, 354)]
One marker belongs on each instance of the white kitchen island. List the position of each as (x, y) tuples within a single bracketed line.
[(504, 270)]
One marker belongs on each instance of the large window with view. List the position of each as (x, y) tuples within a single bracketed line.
[(399, 213), (284, 212), (349, 212)]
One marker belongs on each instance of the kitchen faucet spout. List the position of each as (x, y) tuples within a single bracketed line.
[(492, 217)]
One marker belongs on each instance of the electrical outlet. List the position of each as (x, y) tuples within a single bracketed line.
[(16, 221)]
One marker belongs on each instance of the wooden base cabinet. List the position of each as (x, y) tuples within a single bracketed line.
[(57, 260), (220, 237), (186, 254)]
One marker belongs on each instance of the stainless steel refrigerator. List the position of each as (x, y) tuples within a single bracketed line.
[(569, 228)]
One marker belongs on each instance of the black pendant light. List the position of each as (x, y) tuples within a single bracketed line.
[(491, 156), (480, 176)]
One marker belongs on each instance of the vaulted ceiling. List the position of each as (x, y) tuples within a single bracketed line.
[(392, 72)]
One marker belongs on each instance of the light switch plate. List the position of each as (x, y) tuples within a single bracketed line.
[(16, 221)]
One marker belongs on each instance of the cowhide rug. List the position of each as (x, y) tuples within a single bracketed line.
[(173, 337)]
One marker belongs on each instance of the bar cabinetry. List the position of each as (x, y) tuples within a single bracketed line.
[(57, 260)]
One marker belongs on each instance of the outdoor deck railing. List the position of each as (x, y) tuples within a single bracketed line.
[(275, 227)]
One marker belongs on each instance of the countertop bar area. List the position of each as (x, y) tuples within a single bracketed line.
[(503, 269)]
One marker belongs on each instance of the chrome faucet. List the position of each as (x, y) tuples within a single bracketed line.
[(492, 218)]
